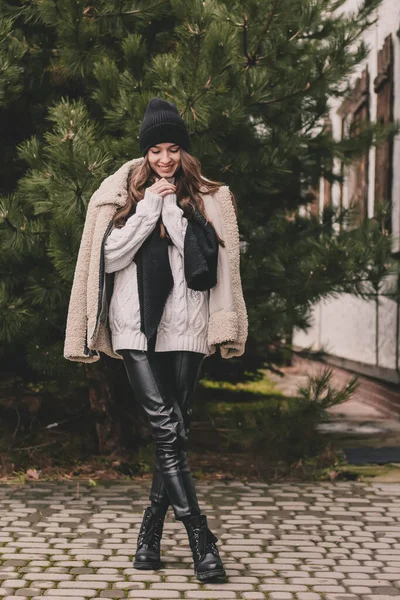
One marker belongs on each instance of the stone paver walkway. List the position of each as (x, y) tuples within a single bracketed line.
[(330, 541)]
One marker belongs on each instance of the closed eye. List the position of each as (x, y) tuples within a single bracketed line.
[(170, 150)]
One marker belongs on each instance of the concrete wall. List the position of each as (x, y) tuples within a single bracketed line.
[(347, 327)]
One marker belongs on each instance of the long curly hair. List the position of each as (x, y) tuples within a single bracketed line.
[(188, 181)]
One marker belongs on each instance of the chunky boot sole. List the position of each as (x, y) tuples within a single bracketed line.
[(211, 575), (147, 566)]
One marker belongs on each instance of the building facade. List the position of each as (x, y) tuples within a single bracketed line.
[(364, 335)]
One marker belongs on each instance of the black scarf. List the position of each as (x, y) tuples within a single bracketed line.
[(154, 275)]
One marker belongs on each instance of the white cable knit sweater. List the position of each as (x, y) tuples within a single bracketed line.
[(184, 322)]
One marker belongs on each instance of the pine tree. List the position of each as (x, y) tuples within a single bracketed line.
[(252, 80)]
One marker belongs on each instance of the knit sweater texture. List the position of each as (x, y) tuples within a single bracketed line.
[(184, 322)]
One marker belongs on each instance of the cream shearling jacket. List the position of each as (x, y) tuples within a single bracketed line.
[(88, 329)]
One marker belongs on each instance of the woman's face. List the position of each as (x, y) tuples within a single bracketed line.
[(164, 159)]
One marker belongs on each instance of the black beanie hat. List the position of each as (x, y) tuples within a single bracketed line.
[(162, 123)]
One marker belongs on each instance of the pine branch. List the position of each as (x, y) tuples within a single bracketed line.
[(206, 87), (89, 15), (254, 59), (8, 222), (245, 39), (307, 88), (266, 27), (18, 423), (35, 447)]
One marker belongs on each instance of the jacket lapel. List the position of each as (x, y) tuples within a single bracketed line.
[(114, 190)]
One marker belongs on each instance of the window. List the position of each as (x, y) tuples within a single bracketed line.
[(383, 86), (355, 112), (327, 186)]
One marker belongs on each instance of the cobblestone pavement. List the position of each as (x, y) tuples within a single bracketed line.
[(330, 541)]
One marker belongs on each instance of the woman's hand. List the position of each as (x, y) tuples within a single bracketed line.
[(162, 187)]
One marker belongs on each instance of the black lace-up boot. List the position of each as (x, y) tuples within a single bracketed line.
[(148, 544), (207, 562)]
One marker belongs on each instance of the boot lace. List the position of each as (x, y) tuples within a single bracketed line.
[(151, 530), (204, 542)]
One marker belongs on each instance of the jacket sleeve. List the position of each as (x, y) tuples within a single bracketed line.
[(228, 322), (122, 244), (174, 220), (75, 344)]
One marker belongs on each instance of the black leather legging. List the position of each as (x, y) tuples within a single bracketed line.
[(164, 383)]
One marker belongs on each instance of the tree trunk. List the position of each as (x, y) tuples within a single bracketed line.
[(103, 407), (119, 421), (288, 353)]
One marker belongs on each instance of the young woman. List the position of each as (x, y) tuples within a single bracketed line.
[(157, 284)]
